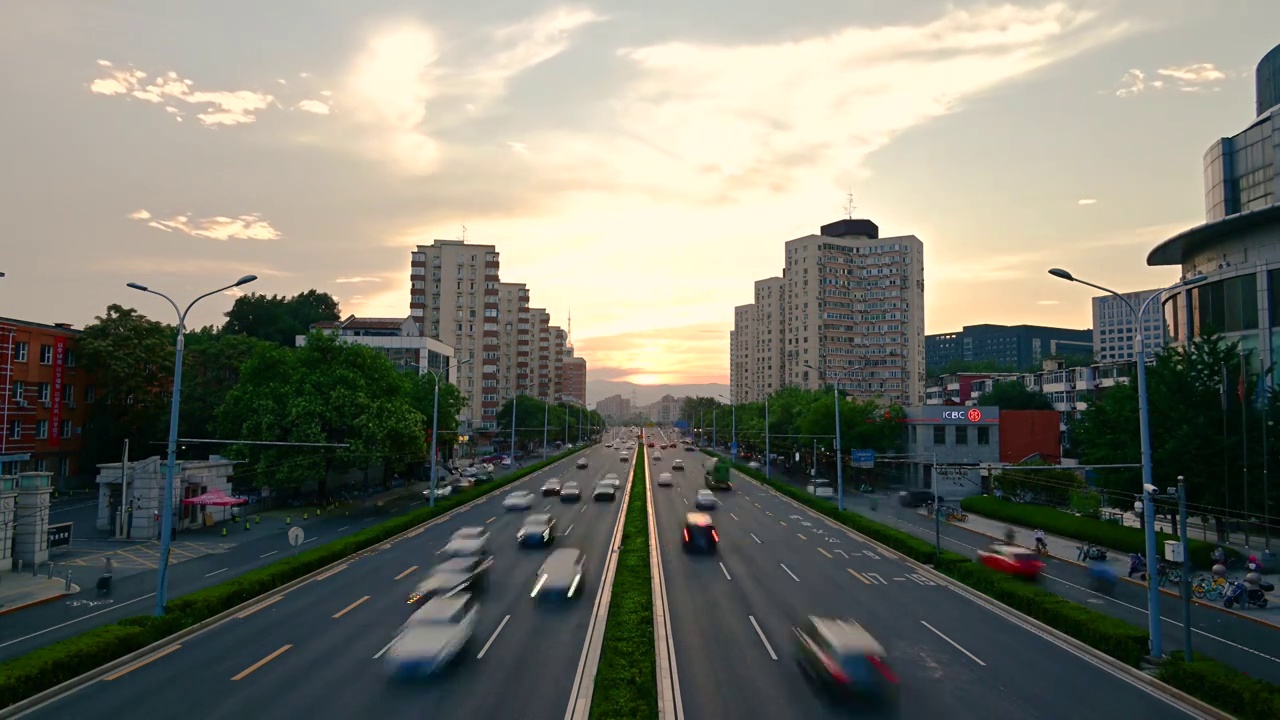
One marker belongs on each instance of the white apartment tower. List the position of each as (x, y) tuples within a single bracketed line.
[(854, 310), (514, 340), (1114, 327), (454, 299), (741, 369), (768, 357), (543, 371)]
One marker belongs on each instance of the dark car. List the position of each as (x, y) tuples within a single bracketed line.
[(604, 492), (690, 448), (483, 476), (700, 533), (570, 492), (560, 577), (461, 574), (844, 662), (551, 487), (538, 531)]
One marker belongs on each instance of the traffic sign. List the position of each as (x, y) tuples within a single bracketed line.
[(863, 458), (733, 448), (295, 536)]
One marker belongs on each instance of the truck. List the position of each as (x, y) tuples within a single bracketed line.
[(716, 475)]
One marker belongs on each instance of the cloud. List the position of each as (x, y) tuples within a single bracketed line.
[(1086, 201), (358, 279), (1048, 302), (684, 354), (1187, 78), (317, 107), (400, 94), (217, 107), (220, 227), (143, 266), (518, 147)]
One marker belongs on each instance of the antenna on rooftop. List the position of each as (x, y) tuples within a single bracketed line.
[(463, 236), (568, 331), (849, 207)]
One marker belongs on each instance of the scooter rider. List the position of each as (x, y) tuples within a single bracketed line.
[(1040, 543), (1009, 534)]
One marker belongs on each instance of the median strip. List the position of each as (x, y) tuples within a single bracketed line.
[(626, 680)]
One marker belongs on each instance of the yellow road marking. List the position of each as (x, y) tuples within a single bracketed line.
[(824, 552), (258, 607), (247, 671), (350, 607), (863, 579), (142, 663), (406, 572)]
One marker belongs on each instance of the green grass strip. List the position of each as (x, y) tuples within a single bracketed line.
[(627, 678)]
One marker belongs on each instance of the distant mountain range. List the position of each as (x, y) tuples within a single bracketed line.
[(598, 390)]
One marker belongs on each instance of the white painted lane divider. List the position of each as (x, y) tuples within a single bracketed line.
[(763, 639), (493, 637), (793, 575), (954, 644), (725, 570)]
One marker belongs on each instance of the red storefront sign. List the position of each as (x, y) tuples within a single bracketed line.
[(55, 416)]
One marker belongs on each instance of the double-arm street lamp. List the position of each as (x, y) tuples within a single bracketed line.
[(733, 410), (166, 520), (1144, 431), (835, 389), (435, 420)]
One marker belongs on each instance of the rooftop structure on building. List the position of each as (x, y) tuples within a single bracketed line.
[(1017, 347), (1115, 327)]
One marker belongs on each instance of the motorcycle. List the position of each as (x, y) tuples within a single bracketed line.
[(1239, 594), (1101, 578), (1137, 565), (1092, 552)]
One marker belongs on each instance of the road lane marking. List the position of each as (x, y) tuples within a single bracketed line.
[(566, 532), (584, 509), (332, 572), (492, 637), (142, 663), (259, 606), (273, 552), (753, 537), (249, 670), (860, 577), (954, 644), (793, 575), (495, 517), (801, 536), (846, 557), (920, 579), (824, 552), (216, 572), (350, 607), (871, 555), (876, 579), (406, 572), (304, 542), (725, 570), (686, 500), (763, 639), (344, 527), (735, 517), (782, 523)]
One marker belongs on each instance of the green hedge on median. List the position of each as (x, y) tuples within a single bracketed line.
[(1208, 680), (1056, 522), (627, 679), (52, 665)]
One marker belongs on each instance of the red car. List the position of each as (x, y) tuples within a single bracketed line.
[(650, 444), (1012, 560)]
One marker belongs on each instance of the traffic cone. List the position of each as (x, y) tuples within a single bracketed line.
[(288, 520), (246, 524), (304, 516), (224, 531)]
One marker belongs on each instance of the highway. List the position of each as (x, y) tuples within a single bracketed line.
[(732, 614), (311, 652)]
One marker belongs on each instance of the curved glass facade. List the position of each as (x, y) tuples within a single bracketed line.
[(1268, 81)]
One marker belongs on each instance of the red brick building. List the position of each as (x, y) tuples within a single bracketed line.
[(45, 398)]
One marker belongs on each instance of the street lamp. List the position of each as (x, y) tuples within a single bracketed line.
[(166, 520), (1144, 431), (835, 388), (768, 456), (733, 448), (515, 405), (546, 417), (435, 421)]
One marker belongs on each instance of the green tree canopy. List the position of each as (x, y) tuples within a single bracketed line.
[(211, 370), (531, 414), (1051, 486), (1013, 395), (279, 319)]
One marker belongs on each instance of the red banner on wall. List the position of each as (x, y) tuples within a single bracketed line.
[(55, 416)]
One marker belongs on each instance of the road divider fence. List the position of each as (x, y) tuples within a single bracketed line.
[(48, 667), (1207, 680)]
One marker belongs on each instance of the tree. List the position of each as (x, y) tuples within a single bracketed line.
[(327, 391), (1013, 395), (279, 319), (210, 371), (422, 398), (130, 358), (1052, 487)]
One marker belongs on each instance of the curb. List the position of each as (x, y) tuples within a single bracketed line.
[(5, 610), (38, 700), (1197, 601)]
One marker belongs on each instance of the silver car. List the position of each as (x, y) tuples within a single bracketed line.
[(467, 542), (705, 500), (518, 500), (432, 637)]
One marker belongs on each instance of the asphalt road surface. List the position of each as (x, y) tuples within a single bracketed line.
[(311, 652), (732, 617)]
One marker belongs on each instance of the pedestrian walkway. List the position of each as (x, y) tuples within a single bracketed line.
[(20, 590), (1068, 550)]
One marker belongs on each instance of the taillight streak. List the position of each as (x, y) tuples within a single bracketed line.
[(686, 535), (880, 665), (833, 668), (715, 536)]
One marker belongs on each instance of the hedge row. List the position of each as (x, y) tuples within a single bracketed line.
[(1099, 532), (1208, 680), (52, 665), (627, 679)]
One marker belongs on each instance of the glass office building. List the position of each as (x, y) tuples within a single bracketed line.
[(1240, 172)]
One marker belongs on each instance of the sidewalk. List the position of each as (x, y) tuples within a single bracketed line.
[(1068, 550), (20, 590)]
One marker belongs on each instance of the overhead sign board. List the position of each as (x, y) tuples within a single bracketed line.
[(862, 458), (954, 414), (60, 535)]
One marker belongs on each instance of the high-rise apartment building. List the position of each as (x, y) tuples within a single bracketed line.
[(543, 372), (454, 298), (614, 408), (559, 351), (1114, 327), (850, 304), (741, 378), (573, 372), (514, 340)]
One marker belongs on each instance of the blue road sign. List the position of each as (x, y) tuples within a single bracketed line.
[(863, 458), (733, 448)]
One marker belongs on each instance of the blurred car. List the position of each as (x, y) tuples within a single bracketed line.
[(443, 490), (570, 492), (624, 457), (432, 637), (551, 487), (656, 457), (1011, 560), (650, 443), (468, 471), (582, 463), (518, 500), (690, 448), (822, 489), (604, 492), (705, 500), (844, 661), (700, 533), (538, 531), (665, 479), (608, 445), (483, 476), (455, 575), (467, 542), (754, 465), (677, 464), (612, 479), (560, 576)]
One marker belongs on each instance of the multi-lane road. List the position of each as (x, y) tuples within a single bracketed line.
[(732, 616), (311, 651)]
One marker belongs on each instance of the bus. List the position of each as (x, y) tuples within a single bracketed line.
[(716, 475)]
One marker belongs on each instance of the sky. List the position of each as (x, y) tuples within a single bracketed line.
[(637, 165)]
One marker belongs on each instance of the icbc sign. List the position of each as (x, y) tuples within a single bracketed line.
[(972, 415), (975, 415)]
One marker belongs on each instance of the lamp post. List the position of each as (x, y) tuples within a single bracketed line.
[(166, 520), (515, 407), (733, 410), (1144, 431), (835, 388), (768, 456), (546, 416), (435, 419)]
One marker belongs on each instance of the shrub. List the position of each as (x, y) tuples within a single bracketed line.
[(627, 679), (47, 667), (1223, 687)]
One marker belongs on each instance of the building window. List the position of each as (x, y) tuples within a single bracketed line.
[(19, 388), (21, 349), (962, 435), (1229, 305), (90, 393), (15, 430), (46, 354), (42, 429), (984, 436), (68, 393), (44, 391), (66, 429), (64, 466), (939, 434), (70, 358)]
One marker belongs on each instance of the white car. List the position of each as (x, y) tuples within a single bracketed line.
[(442, 491), (467, 542), (432, 637), (705, 500), (677, 464), (612, 479), (822, 489), (468, 471), (624, 457), (656, 457), (665, 479), (582, 463), (518, 500)]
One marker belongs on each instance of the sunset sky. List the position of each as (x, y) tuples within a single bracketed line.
[(640, 164)]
